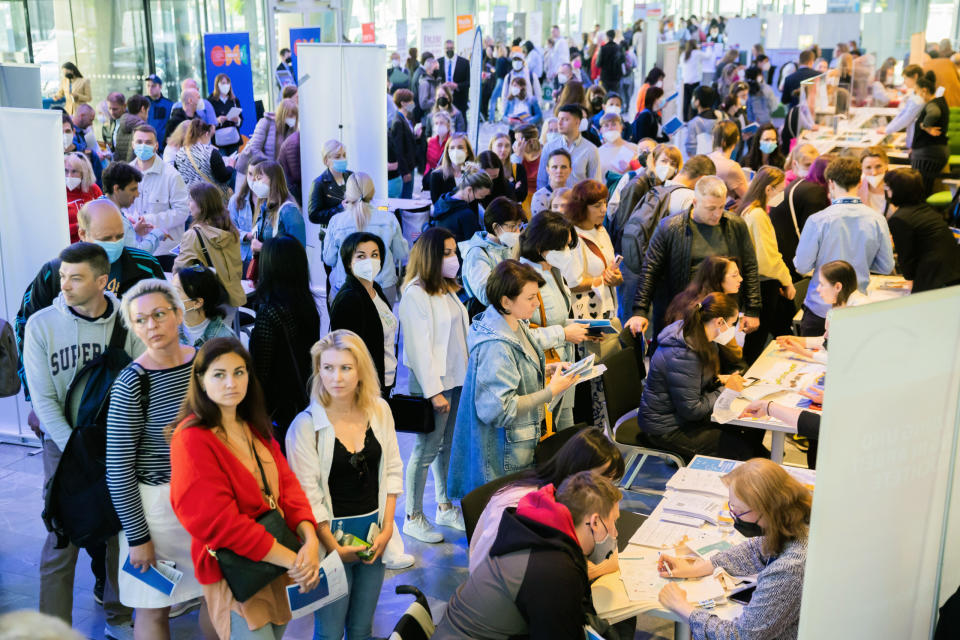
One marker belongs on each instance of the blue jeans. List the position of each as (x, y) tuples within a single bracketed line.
[(494, 97), (240, 631), (355, 612), (394, 187), (431, 450)]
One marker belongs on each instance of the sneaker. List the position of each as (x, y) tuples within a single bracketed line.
[(181, 608), (398, 560), (451, 517), (118, 631), (98, 590), (419, 527), (801, 443)]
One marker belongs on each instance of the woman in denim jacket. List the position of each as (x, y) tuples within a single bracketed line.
[(545, 245), (358, 215), (499, 425)]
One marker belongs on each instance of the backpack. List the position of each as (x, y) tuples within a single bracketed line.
[(643, 222), (77, 505), (628, 199), (9, 380)]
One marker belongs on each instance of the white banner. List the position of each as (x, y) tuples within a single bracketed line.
[(402, 36), (342, 98), (473, 112), (432, 35), (33, 219), (535, 28)]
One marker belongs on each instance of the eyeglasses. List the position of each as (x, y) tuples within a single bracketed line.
[(158, 316), (740, 515)]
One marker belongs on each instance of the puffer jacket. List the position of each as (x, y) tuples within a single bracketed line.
[(492, 438), (480, 256), (264, 138), (289, 159), (455, 215), (222, 255), (124, 136), (680, 391), (667, 261)]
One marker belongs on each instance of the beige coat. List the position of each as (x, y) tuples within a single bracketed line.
[(79, 93), (223, 248)]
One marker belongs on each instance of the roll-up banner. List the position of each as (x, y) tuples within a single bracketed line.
[(229, 53), (300, 35)]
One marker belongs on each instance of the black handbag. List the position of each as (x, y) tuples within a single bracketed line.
[(244, 576), (412, 414)]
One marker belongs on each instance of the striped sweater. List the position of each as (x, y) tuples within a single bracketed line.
[(137, 449)]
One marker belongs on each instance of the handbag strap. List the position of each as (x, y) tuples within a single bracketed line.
[(594, 249), (189, 154), (263, 476), (793, 211), (203, 245)]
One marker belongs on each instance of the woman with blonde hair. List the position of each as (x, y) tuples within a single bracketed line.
[(456, 152), (343, 449), (174, 142), (798, 162), (199, 161), (358, 215), (776, 284), (326, 197), (81, 187), (273, 129), (277, 212), (772, 510), (549, 130)]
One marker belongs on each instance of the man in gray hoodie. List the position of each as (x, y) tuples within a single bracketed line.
[(59, 340)]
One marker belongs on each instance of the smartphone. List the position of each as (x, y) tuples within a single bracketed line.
[(743, 597), (617, 260)]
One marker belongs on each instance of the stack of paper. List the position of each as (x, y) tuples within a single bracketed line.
[(698, 481), (691, 505), (661, 535)]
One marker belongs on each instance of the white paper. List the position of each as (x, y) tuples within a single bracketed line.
[(332, 566), (693, 505), (234, 113), (661, 535), (698, 481), (641, 579), (707, 588), (687, 521)]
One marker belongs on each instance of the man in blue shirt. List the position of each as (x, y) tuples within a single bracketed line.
[(586, 159), (846, 230), (160, 107)]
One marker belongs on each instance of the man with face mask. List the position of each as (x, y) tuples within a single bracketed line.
[(162, 198), (534, 582), (456, 70), (681, 242), (583, 153), (519, 69), (846, 230)]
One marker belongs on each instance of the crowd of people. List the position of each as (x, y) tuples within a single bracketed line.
[(226, 438)]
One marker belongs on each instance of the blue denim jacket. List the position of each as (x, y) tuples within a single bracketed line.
[(491, 439), (242, 218)]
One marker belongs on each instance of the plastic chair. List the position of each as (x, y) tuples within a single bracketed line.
[(622, 389), (417, 621), (473, 504)]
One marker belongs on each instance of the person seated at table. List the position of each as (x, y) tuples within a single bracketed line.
[(508, 382), (486, 249), (534, 581), (683, 384), (772, 510), (874, 163), (926, 249), (588, 450)]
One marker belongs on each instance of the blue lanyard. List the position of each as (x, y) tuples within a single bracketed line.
[(847, 201)]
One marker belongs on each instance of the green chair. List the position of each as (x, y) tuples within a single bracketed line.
[(940, 200)]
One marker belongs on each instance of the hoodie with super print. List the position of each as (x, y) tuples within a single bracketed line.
[(57, 344)]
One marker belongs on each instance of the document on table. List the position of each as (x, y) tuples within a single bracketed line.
[(661, 535), (692, 505), (794, 376), (698, 481), (641, 579), (332, 587)]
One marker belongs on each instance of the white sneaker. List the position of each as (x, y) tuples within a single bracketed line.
[(451, 517), (398, 560), (181, 608), (419, 527), (118, 631)]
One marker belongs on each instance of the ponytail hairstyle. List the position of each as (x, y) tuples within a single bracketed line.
[(471, 175), (928, 82), (756, 195), (843, 272), (197, 129), (715, 305), (358, 192)]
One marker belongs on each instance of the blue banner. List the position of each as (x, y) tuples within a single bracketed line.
[(298, 35), (229, 53)]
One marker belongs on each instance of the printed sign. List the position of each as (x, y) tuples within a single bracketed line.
[(229, 53)]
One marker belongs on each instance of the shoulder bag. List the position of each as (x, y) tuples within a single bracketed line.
[(411, 414), (244, 576)]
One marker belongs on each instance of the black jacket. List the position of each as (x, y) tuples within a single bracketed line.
[(353, 309), (610, 62), (808, 199), (667, 261), (326, 197), (791, 86), (647, 125), (404, 144), (440, 185), (177, 116), (926, 249), (135, 265), (461, 75)]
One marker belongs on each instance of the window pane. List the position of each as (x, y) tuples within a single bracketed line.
[(13, 34), (177, 43), (110, 43), (247, 15)]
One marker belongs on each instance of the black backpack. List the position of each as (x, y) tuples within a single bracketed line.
[(77, 505), (632, 193), (643, 222)]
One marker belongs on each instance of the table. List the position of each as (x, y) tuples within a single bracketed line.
[(851, 134), (879, 288)]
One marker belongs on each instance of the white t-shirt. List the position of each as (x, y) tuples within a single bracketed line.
[(195, 332), (390, 324), (612, 156)]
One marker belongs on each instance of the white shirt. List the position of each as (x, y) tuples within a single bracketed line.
[(691, 70), (680, 200), (390, 324), (195, 332), (163, 201), (590, 265)]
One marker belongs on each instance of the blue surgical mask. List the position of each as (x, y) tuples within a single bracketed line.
[(143, 151), (768, 146), (340, 165), (113, 249)]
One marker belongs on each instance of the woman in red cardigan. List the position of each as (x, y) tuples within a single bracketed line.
[(80, 185), (216, 491)]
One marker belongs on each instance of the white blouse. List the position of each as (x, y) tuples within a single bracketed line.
[(591, 266)]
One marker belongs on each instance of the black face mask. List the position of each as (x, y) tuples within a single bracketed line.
[(449, 53), (68, 75), (443, 102), (288, 60), (642, 158), (747, 529)]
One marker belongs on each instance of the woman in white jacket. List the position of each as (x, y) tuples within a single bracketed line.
[(434, 325), (344, 451)]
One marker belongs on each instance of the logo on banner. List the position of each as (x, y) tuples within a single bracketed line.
[(464, 24), (368, 32), (222, 56), (297, 42)]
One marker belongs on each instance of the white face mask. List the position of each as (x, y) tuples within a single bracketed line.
[(442, 131), (775, 200), (514, 90), (664, 171), (73, 182), (200, 104), (67, 140), (611, 136), (290, 122), (801, 172), (259, 189), (552, 135), (562, 78), (224, 88), (875, 181), (563, 261), (725, 336), (457, 156), (509, 238), (366, 268), (517, 65), (612, 109), (450, 266), (584, 125)]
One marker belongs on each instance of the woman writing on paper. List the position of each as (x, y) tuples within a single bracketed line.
[(772, 510), (344, 451), (501, 421)]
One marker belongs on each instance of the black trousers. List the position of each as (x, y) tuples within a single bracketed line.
[(776, 316), (710, 439), (811, 324)]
